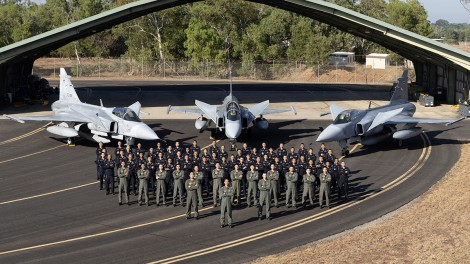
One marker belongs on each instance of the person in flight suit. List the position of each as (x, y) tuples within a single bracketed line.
[(236, 175), (325, 179), (178, 175), (195, 148), (191, 185), (118, 149), (169, 168), (100, 168), (206, 171), (226, 193), (123, 173), (252, 177), (291, 178), (143, 176), (199, 176), (109, 166), (132, 165), (265, 189), (323, 151), (161, 187), (273, 177), (343, 181), (152, 169), (217, 175), (308, 179)]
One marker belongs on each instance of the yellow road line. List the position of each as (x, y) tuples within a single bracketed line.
[(25, 135), (421, 161), (97, 234), (32, 154)]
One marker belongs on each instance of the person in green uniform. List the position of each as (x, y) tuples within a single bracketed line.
[(226, 194), (291, 179), (123, 173), (325, 179), (217, 175), (236, 175), (178, 175), (199, 176), (161, 185), (191, 185), (252, 177), (265, 189), (143, 176), (273, 177), (309, 181)]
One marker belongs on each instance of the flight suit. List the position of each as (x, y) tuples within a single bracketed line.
[(100, 171), (343, 182), (191, 197), (206, 171), (325, 180), (143, 176), (291, 178), (273, 177), (236, 177), (178, 186), (199, 176), (226, 194), (217, 176), (265, 189), (252, 177), (109, 175), (309, 180), (131, 164), (161, 187), (123, 173)]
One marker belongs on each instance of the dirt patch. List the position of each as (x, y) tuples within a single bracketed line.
[(432, 229)]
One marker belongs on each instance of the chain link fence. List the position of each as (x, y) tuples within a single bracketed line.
[(140, 69)]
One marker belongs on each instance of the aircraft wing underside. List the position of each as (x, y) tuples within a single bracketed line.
[(63, 117), (401, 119)]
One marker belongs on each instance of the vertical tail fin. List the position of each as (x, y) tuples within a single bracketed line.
[(401, 90), (66, 90)]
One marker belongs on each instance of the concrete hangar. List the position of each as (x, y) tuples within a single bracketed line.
[(437, 66)]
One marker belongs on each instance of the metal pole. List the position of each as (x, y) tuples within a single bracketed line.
[(318, 72), (99, 67), (54, 67), (336, 74), (164, 75), (273, 69), (142, 67)]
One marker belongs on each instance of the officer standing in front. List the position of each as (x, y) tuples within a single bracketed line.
[(199, 176), (143, 176), (109, 166), (309, 180), (265, 189), (343, 181), (123, 173), (325, 179), (100, 168), (161, 187), (291, 178), (217, 175), (191, 186), (178, 175), (226, 194), (252, 176), (273, 177)]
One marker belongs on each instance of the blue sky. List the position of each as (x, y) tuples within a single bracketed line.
[(450, 10)]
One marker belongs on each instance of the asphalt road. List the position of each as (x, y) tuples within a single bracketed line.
[(52, 211)]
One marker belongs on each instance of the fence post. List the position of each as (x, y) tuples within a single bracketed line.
[(273, 69), (54, 67), (99, 67), (164, 65), (142, 62), (336, 71), (318, 72)]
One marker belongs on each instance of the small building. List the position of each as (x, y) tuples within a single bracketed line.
[(377, 61), (342, 58)]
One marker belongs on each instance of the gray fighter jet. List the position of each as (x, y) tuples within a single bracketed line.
[(374, 125), (231, 117), (72, 118)]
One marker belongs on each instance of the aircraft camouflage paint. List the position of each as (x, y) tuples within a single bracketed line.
[(231, 116), (72, 118), (374, 125)]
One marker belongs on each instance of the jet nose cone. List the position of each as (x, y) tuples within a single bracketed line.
[(143, 131), (331, 133), (232, 130)]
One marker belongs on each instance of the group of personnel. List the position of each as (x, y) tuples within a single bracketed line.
[(260, 175)]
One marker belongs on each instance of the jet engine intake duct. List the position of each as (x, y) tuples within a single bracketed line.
[(261, 123), (360, 129)]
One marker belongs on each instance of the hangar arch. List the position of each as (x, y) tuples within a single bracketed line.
[(432, 59)]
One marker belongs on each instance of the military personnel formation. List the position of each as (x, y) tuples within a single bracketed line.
[(184, 176)]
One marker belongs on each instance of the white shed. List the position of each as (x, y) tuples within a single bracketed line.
[(342, 58), (377, 60)]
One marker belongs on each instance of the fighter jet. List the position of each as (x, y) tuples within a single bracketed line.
[(72, 118), (374, 125), (231, 117)]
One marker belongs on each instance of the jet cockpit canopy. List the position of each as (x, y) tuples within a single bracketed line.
[(233, 111), (126, 114), (347, 116)]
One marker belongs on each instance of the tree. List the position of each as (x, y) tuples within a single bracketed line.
[(409, 15)]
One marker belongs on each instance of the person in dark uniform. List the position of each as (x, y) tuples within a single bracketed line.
[(330, 156), (195, 148), (132, 165), (206, 172), (323, 151), (263, 150), (343, 181), (302, 151), (100, 168), (245, 149), (152, 169), (311, 155), (292, 154), (281, 151), (118, 149), (109, 166), (169, 168), (223, 153), (334, 171)]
